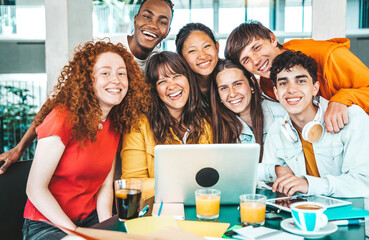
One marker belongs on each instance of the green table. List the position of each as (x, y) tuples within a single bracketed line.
[(230, 214)]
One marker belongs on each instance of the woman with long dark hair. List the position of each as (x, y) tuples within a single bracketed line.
[(176, 117), (239, 110), (196, 43)]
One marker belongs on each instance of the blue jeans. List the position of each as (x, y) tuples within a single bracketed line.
[(35, 230)]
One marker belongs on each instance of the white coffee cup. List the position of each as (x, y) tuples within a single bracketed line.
[(309, 216)]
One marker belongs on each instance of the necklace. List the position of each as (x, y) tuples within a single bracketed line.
[(101, 126)]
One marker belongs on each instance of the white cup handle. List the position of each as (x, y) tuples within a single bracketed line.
[(322, 221)]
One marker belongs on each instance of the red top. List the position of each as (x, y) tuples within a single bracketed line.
[(81, 170)]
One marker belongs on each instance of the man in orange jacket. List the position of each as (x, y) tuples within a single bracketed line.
[(344, 79)]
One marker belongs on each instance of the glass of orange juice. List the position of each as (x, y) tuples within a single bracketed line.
[(252, 209), (207, 203)]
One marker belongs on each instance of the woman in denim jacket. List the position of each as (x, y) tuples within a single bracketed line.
[(240, 112)]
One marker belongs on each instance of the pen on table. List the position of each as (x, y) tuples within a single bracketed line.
[(347, 222), (143, 211), (161, 206)]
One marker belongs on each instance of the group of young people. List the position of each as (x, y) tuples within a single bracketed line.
[(308, 111)]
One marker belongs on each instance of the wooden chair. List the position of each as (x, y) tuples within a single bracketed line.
[(13, 199)]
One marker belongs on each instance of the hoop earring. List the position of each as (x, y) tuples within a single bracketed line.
[(252, 91)]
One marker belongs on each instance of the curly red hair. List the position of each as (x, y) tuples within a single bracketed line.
[(75, 91)]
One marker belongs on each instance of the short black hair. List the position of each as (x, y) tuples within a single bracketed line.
[(169, 2), (186, 30), (289, 59)]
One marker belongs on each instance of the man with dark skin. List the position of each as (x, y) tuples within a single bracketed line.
[(151, 26)]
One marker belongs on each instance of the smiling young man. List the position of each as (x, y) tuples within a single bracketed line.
[(299, 155), (343, 78), (151, 26)]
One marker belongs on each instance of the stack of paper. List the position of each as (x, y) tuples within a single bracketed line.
[(149, 225), (250, 233)]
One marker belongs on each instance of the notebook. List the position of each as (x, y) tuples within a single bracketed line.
[(346, 212), (150, 225), (250, 233), (181, 169), (169, 209)]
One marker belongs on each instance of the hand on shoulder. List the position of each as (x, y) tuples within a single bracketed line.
[(336, 117)]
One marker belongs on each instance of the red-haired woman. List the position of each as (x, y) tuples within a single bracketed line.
[(78, 128)]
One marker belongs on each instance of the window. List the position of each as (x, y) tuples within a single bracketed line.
[(288, 18), (364, 14)]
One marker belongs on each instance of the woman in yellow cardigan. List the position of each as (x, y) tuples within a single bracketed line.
[(177, 117)]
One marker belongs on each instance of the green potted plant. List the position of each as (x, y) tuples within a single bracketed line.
[(16, 115)]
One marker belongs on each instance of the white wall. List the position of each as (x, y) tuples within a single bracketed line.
[(329, 19), (68, 23)]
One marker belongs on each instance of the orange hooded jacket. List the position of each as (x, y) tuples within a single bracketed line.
[(343, 77)]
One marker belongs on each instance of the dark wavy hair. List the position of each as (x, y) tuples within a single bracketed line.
[(75, 91), (289, 59), (186, 30), (227, 127), (193, 115), (242, 36)]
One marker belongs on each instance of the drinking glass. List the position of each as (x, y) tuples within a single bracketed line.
[(252, 209), (127, 198), (207, 203)]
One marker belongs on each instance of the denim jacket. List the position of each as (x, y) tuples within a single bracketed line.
[(272, 111), (342, 158)]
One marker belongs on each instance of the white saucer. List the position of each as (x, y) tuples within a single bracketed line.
[(289, 226)]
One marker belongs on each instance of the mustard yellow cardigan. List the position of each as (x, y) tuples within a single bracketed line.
[(138, 154)]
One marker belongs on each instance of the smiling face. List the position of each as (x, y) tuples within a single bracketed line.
[(152, 23), (110, 80), (257, 57), (295, 90), (201, 53), (173, 89), (234, 90)]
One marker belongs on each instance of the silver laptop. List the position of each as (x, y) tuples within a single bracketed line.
[(181, 169)]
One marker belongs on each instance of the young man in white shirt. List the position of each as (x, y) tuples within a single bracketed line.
[(299, 154)]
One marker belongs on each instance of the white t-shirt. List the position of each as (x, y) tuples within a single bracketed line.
[(123, 39)]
